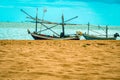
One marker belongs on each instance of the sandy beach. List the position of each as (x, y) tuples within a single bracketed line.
[(59, 60)]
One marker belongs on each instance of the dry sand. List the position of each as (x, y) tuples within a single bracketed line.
[(59, 60)]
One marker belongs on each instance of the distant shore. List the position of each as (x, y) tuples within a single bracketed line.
[(59, 60)]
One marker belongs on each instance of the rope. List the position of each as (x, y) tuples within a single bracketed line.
[(97, 32)]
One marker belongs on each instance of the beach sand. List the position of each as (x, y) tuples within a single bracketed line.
[(59, 60)]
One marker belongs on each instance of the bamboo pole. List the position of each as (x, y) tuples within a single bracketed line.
[(36, 20), (106, 31), (88, 27), (63, 31)]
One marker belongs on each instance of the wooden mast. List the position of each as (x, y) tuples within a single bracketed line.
[(63, 31), (88, 27), (36, 19), (106, 31)]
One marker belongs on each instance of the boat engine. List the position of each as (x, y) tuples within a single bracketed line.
[(116, 35)]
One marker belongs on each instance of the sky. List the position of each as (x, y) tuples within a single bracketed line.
[(98, 12)]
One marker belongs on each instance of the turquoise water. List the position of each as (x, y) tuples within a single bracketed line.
[(14, 31), (18, 31)]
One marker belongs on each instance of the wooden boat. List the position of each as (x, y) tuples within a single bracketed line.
[(49, 37), (62, 36), (93, 37)]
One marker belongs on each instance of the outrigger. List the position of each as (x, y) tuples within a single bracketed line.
[(62, 36)]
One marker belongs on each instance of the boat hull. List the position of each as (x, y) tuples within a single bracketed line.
[(91, 37), (44, 37)]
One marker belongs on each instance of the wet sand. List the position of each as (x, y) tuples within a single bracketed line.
[(59, 60)]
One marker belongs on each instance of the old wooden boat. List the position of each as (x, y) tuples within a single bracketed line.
[(37, 35), (87, 36), (93, 37)]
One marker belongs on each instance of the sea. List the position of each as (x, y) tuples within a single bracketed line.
[(14, 23), (18, 30)]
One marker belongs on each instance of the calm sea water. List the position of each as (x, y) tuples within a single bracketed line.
[(18, 31)]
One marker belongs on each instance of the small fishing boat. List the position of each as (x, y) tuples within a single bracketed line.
[(49, 37), (93, 37), (87, 36), (61, 36)]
